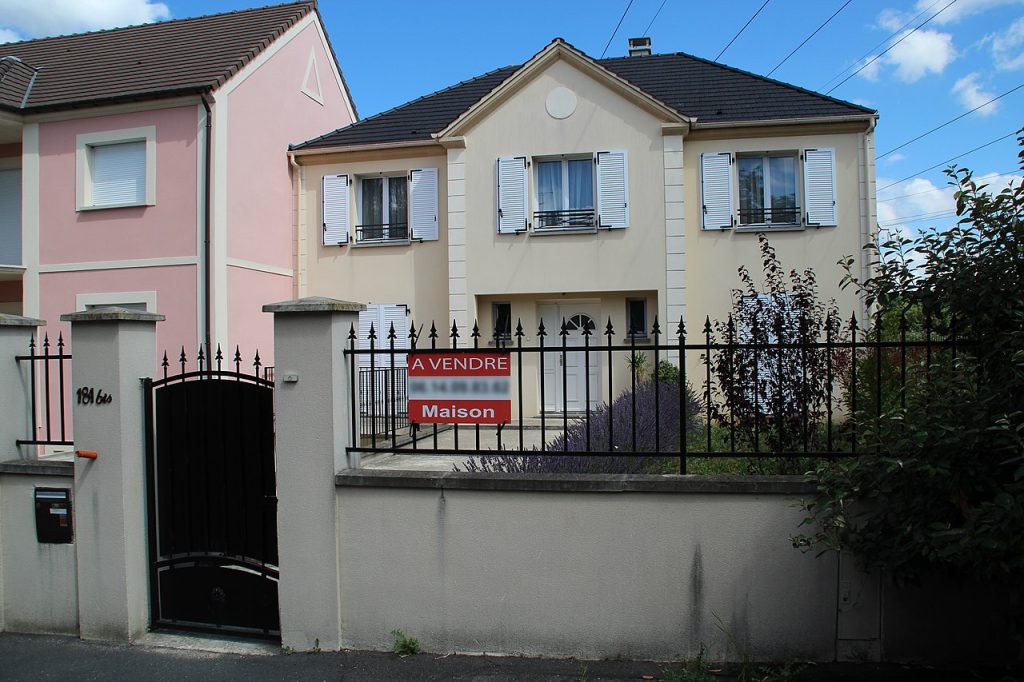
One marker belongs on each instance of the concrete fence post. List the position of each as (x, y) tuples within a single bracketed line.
[(113, 349), (313, 425), (16, 416)]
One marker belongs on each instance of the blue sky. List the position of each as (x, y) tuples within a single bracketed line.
[(972, 51)]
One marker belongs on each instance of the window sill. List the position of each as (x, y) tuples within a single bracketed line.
[(764, 227), (370, 243), (133, 204), (538, 231)]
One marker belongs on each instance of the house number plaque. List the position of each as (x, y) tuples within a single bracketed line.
[(93, 396)]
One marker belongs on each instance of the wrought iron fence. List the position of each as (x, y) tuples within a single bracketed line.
[(782, 388), (49, 375)]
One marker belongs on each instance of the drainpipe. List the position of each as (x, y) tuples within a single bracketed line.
[(296, 171), (206, 222)]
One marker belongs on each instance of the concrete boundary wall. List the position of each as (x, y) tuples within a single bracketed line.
[(592, 566)]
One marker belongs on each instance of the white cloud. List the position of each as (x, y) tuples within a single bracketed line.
[(57, 17), (894, 158), (972, 94), (9, 36), (1008, 46), (921, 53), (917, 197), (960, 9)]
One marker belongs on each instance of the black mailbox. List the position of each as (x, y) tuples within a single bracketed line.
[(53, 515)]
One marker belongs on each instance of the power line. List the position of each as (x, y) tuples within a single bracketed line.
[(825, 23), (648, 29), (917, 218), (744, 29), (891, 36), (1010, 172), (612, 37), (902, 38), (947, 161), (952, 120)]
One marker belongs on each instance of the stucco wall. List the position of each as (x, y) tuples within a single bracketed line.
[(164, 230), (176, 294), (415, 274), (596, 575), (40, 589), (713, 256), (267, 112), (611, 260)]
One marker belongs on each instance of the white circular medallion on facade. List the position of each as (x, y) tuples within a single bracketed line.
[(561, 103)]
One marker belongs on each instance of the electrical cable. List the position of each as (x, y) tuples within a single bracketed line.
[(648, 29), (953, 158), (612, 37), (825, 23), (902, 38), (745, 28)]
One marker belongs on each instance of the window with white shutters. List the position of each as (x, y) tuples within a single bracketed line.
[(612, 189), (512, 194), (423, 203), (335, 194), (820, 186), (716, 190)]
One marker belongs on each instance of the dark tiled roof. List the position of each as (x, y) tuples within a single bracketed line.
[(696, 87), (418, 119), (141, 62)]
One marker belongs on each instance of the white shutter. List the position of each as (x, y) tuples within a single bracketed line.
[(512, 194), (394, 314), (716, 190), (423, 203), (820, 186), (612, 190), (118, 173), (336, 210), (367, 317)]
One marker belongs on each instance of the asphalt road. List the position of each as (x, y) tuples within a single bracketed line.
[(49, 657)]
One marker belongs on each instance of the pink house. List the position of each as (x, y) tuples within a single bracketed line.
[(147, 167)]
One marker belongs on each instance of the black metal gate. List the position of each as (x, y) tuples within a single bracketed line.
[(212, 500)]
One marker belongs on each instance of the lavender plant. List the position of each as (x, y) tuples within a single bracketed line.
[(613, 429)]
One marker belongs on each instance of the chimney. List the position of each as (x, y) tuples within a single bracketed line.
[(640, 47)]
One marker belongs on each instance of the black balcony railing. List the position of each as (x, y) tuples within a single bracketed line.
[(583, 217), (385, 232), (768, 216)]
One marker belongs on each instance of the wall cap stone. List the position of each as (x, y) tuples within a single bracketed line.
[(112, 314), (314, 304), (8, 320), (575, 483), (30, 468)]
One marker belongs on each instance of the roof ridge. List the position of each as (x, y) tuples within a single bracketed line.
[(409, 103), (181, 20), (744, 72)]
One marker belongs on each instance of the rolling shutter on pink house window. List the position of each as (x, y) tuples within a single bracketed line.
[(335, 209), (118, 173)]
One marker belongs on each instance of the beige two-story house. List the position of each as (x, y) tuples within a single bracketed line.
[(578, 191)]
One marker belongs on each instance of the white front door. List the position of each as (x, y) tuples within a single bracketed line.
[(565, 377)]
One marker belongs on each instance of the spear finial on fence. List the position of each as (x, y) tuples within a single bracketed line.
[(681, 330), (182, 359), (564, 331), (256, 363), (165, 363), (352, 334), (656, 330), (541, 332), (372, 336), (391, 333), (519, 328), (201, 358), (454, 334), (219, 357), (609, 330), (238, 360), (413, 336), (707, 326), (475, 335)]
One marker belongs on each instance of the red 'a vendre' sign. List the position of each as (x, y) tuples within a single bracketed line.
[(460, 388)]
